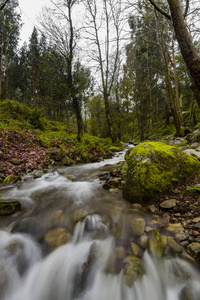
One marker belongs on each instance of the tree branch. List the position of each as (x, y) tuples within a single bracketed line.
[(2, 5), (160, 10)]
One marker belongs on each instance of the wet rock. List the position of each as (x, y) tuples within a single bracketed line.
[(179, 269), (9, 207), (55, 218), (15, 161), (112, 183), (182, 235), (120, 252), (194, 146), (187, 257), (151, 208), (15, 246), (137, 226), (38, 173), (66, 161), (57, 237), (174, 246), (28, 225), (157, 243), (175, 228), (76, 216), (133, 269), (69, 176), (197, 226), (10, 179), (193, 153), (194, 250), (196, 220), (168, 204), (136, 206), (185, 294), (135, 249), (143, 241)]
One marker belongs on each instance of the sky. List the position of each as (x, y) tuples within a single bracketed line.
[(30, 9)]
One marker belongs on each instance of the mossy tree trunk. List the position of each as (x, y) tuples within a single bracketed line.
[(172, 98), (188, 50)]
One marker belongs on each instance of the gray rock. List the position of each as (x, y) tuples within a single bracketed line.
[(15, 161), (133, 269), (137, 226), (194, 250), (193, 153), (10, 179), (57, 237), (168, 204)]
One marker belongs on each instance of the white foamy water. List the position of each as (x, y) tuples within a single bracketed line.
[(79, 269)]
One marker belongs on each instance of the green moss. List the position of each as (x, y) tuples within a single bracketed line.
[(9, 207), (114, 149), (155, 167)]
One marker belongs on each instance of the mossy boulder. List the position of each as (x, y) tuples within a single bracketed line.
[(154, 168), (9, 207), (10, 179)]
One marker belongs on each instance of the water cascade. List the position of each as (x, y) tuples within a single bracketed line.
[(72, 242)]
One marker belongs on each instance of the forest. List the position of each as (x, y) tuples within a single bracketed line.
[(124, 70)]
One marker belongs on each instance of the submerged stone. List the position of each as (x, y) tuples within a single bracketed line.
[(57, 237), (9, 207), (153, 168), (133, 269)]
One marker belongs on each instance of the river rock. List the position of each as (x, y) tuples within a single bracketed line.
[(194, 250), (193, 152), (57, 237), (137, 226), (77, 216), (196, 220), (174, 246), (38, 173), (153, 168), (175, 228), (133, 269), (112, 183), (69, 176), (10, 179), (157, 243), (120, 252), (143, 241), (55, 218), (168, 204), (15, 161), (135, 249), (9, 207)]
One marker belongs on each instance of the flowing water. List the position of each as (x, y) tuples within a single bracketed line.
[(85, 267)]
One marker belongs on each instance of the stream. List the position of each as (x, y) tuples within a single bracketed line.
[(72, 242)]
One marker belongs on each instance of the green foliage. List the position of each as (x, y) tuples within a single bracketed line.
[(30, 118), (193, 189), (155, 167)]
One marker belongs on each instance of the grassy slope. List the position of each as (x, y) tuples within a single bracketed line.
[(36, 142)]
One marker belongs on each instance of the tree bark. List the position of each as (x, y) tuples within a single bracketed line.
[(188, 50)]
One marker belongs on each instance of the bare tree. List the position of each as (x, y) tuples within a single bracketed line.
[(103, 32), (58, 26)]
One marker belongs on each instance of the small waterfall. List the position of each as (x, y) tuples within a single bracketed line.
[(86, 267)]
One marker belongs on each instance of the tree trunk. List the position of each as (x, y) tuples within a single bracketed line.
[(107, 113), (1, 62), (77, 109), (188, 50)]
